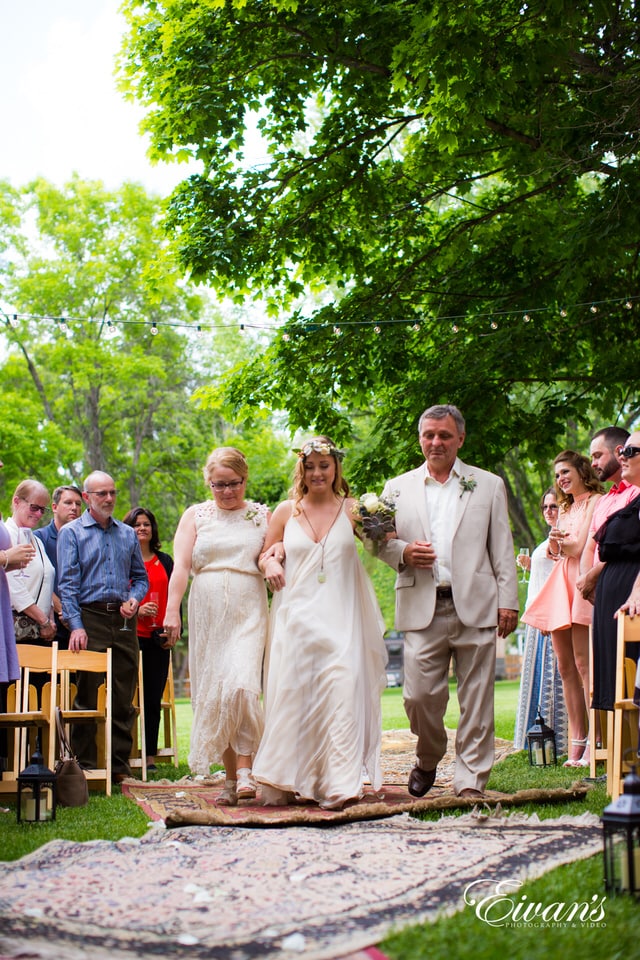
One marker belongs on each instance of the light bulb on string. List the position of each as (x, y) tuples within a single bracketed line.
[(416, 327), (455, 327), (199, 332), (494, 325), (337, 331), (376, 329), (563, 313), (628, 305), (286, 337), (526, 318), (111, 328), (593, 308), (154, 329), (14, 321), (62, 325)]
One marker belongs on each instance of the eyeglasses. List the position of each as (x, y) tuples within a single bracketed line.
[(221, 487), (628, 453), (35, 507), (101, 493)]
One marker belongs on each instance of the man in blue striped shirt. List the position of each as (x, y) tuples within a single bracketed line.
[(102, 580)]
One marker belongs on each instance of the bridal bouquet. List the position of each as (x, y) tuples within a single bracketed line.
[(375, 516)]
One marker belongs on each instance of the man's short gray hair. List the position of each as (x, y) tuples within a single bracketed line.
[(441, 410)]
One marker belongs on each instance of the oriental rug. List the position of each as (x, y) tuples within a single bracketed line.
[(231, 893), (190, 801)]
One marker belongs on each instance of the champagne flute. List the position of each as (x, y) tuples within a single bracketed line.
[(523, 552), (125, 628), (25, 535), (154, 597)]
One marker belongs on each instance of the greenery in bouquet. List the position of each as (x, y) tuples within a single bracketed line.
[(375, 517)]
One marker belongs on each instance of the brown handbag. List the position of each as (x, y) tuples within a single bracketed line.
[(72, 789)]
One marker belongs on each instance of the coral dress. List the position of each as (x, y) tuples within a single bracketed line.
[(559, 604), (325, 673), (228, 617)]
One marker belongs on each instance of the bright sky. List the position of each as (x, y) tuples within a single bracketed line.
[(60, 110)]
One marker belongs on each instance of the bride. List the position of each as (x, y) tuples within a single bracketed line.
[(325, 664)]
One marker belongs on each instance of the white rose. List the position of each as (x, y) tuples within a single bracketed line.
[(371, 503)]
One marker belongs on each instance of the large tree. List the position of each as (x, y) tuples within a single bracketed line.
[(460, 180), (86, 381)]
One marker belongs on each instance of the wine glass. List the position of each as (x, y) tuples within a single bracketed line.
[(523, 552), (25, 535)]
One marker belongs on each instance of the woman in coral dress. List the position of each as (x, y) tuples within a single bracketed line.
[(325, 669), (559, 608)]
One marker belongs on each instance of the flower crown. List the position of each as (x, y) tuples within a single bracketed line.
[(320, 446)]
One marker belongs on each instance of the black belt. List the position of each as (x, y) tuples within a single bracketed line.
[(445, 592), (103, 607)]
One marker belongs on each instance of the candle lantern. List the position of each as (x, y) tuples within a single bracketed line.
[(36, 791), (542, 744), (621, 827)]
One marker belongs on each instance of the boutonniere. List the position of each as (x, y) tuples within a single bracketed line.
[(467, 484)]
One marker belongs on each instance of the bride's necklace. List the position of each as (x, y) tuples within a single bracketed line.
[(321, 574)]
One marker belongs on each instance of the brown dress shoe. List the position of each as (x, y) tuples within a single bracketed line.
[(470, 794), (420, 781)]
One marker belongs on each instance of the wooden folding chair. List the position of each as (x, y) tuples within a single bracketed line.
[(168, 723), (138, 755), (25, 717), (71, 662), (600, 726), (625, 712)]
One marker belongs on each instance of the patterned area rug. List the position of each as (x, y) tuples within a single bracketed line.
[(214, 893), (193, 802)]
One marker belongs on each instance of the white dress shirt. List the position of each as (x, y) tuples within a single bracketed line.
[(441, 509)]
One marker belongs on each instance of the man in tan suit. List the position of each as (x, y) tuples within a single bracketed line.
[(456, 587)]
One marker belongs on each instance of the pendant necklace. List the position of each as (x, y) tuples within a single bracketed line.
[(321, 574)]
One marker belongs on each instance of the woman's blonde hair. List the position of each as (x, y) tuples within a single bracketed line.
[(30, 488), (299, 488), (585, 471), (226, 457)]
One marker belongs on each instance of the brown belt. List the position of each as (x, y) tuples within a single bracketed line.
[(103, 607)]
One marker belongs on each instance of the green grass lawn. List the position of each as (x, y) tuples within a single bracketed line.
[(461, 937)]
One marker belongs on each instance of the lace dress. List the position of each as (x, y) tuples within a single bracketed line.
[(325, 673), (228, 617)]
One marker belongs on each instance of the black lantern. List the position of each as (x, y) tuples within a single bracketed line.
[(36, 791), (542, 744), (621, 826)]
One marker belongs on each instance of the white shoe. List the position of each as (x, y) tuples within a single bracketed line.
[(246, 784), (229, 796)]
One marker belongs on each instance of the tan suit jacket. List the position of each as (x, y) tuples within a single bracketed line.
[(484, 576)]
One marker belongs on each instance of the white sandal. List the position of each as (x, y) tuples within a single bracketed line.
[(578, 761), (246, 784)]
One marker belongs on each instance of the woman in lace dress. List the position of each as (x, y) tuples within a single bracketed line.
[(325, 668), (219, 541), (559, 608)]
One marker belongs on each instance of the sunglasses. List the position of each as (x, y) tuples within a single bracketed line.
[(628, 453), (35, 507)]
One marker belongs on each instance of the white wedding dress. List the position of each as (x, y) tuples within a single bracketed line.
[(325, 673)]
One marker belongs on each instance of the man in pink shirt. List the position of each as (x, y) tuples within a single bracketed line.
[(607, 466)]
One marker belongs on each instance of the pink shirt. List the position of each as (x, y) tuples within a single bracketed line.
[(618, 497)]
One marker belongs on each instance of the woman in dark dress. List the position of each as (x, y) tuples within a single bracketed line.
[(619, 546)]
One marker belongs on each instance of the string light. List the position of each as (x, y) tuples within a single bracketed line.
[(563, 313), (286, 337), (111, 328), (14, 320), (628, 305), (593, 308), (337, 331), (154, 329), (494, 325), (455, 327), (63, 326), (526, 318), (416, 327), (376, 329)]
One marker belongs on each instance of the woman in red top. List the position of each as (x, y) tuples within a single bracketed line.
[(154, 646)]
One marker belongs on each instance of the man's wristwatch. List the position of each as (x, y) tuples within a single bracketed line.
[(47, 623)]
